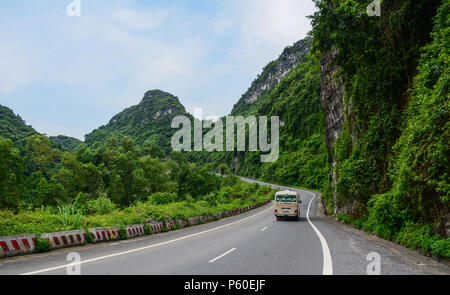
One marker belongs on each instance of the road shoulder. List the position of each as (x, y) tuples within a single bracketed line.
[(423, 264)]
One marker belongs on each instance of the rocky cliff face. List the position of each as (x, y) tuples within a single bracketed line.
[(331, 98), (332, 101), (271, 75)]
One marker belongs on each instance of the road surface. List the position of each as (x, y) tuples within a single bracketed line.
[(252, 243)]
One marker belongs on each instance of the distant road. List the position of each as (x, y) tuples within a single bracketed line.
[(252, 243)]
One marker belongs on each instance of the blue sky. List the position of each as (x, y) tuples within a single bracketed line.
[(69, 75)]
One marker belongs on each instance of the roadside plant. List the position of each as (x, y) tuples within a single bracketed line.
[(122, 233), (89, 237), (102, 205), (43, 245), (69, 217), (165, 227), (147, 229)]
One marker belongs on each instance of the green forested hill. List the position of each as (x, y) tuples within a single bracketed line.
[(66, 142), (13, 127), (150, 120)]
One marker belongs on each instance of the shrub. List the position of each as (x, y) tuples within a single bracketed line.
[(81, 202), (385, 216), (344, 218), (147, 229), (441, 248), (162, 198), (43, 245), (102, 205), (89, 237), (122, 233), (165, 228), (69, 217)]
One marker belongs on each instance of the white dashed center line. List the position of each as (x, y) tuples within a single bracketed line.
[(218, 257)]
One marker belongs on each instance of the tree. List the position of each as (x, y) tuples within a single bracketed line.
[(150, 148), (155, 172), (11, 174), (40, 154)]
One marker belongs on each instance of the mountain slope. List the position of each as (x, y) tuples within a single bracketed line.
[(271, 77), (66, 142), (149, 120), (13, 127)]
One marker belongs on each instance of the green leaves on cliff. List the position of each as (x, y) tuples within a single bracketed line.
[(392, 156), (421, 170)]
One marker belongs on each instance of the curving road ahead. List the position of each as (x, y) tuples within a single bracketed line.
[(252, 243)]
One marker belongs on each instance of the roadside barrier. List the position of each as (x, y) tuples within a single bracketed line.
[(194, 220), (157, 227), (134, 230), (170, 223), (65, 238), (103, 234), (17, 245), (182, 222), (26, 244)]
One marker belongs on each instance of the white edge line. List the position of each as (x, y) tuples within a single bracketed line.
[(327, 262), (146, 247), (218, 257)]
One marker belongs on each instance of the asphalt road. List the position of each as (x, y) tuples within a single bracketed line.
[(252, 243)]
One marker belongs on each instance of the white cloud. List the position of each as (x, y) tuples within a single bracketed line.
[(140, 20), (264, 27), (16, 68)]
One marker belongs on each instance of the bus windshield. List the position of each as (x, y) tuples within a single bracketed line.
[(286, 198)]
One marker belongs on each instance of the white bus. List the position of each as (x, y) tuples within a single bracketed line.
[(287, 205)]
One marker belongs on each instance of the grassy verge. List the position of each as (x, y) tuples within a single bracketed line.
[(50, 220)]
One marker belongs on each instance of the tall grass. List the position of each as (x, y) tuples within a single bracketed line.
[(70, 217)]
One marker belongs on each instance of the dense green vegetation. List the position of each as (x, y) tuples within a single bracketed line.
[(392, 156), (116, 183), (101, 212)]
